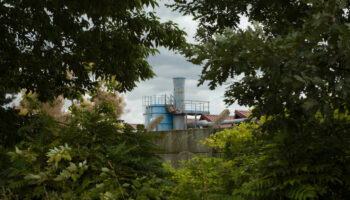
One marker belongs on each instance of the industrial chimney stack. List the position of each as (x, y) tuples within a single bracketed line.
[(179, 103)]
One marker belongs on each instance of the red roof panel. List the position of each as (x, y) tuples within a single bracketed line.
[(211, 118), (242, 113)]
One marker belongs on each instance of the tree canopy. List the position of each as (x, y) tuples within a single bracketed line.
[(292, 66), (63, 49), (42, 41), (89, 153), (295, 58)]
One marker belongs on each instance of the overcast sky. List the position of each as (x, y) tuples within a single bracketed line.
[(167, 65)]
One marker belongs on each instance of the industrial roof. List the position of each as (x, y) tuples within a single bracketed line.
[(242, 113), (211, 118)]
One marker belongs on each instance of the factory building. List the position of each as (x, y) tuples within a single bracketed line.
[(179, 113)]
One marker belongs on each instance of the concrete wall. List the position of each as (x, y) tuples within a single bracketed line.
[(183, 144)]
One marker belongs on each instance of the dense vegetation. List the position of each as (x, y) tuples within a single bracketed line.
[(86, 154), (253, 166), (63, 49), (295, 64), (43, 40)]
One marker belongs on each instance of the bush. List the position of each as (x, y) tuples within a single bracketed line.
[(218, 178), (91, 155), (258, 164)]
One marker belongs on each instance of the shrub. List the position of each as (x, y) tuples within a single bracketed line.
[(93, 155)]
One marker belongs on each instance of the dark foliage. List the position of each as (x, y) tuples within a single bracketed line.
[(292, 66), (43, 40), (93, 156)]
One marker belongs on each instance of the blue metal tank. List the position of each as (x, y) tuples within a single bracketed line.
[(153, 111)]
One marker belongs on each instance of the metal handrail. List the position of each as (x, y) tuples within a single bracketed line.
[(197, 106), (194, 106)]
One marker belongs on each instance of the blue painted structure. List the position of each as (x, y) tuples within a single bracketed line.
[(153, 111), (174, 108)]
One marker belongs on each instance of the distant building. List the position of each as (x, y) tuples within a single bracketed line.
[(239, 114), (242, 114)]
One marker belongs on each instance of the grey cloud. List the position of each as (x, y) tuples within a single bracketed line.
[(167, 65)]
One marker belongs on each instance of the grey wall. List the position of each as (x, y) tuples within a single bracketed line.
[(183, 144)]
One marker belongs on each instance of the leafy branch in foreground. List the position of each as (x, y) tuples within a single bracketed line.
[(255, 165), (41, 41), (93, 155), (292, 66)]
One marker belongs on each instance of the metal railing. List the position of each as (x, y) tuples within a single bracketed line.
[(153, 100), (191, 106)]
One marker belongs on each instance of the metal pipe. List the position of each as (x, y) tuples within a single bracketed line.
[(205, 123)]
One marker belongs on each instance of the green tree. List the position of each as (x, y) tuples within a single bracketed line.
[(42, 41), (92, 155), (294, 64), (296, 58), (219, 178), (55, 48)]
